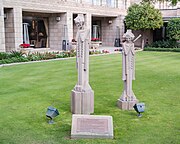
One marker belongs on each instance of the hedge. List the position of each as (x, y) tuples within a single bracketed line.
[(162, 49)]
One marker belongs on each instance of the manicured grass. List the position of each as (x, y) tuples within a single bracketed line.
[(27, 90)]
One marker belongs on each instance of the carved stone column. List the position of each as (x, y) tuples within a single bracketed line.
[(128, 99), (82, 97)]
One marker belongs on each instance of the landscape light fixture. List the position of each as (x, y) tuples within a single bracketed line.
[(110, 21), (51, 113), (58, 18), (139, 108), (5, 16)]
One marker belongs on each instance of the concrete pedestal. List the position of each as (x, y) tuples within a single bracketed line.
[(126, 105), (82, 102)]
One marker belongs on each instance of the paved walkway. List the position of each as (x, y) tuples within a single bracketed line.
[(101, 48), (110, 49)]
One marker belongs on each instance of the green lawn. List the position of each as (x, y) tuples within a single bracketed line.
[(27, 90)]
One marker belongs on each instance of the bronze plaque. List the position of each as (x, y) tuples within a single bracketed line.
[(92, 125)]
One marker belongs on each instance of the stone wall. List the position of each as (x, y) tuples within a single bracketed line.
[(110, 26), (171, 12), (148, 37), (108, 31), (56, 30)]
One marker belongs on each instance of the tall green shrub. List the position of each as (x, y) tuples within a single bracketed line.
[(173, 29), (143, 16)]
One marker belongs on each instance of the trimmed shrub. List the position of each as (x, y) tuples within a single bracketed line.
[(13, 60), (164, 44), (173, 29), (4, 55), (162, 49), (15, 56)]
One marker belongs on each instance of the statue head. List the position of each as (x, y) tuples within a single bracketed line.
[(128, 36), (79, 21)]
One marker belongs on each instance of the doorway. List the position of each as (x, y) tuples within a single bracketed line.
[(96, 30), (37, 31)]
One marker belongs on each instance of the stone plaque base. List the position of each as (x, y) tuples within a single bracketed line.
[(82, 102), (91, 126), (126, 105)]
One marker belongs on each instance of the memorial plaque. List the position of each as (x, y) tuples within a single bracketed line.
[(91, 126)]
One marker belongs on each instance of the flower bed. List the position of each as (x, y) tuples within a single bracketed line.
[(95, 39), (20, 56)]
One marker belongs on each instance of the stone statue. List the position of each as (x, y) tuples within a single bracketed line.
[(82, 98), (128, 99)]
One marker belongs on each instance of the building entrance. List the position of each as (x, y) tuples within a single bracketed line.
[(37, 31)]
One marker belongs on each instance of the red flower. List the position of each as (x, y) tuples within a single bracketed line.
[(95, 39), (105, 51), (24, 45)]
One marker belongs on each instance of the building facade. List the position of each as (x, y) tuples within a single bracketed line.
[(47, 24)]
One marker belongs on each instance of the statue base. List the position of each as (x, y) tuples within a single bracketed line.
[(82, 102), (126, 105)]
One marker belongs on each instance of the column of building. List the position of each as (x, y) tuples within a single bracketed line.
[(18, 33), (88, 21), (117, 30), (60, 29), (56, 30), (13, 28), (2, 34), (122, 26), (122, 5), (69, 23), (9, 30)]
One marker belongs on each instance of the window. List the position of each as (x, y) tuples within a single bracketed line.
[(125, 4), (97, 2), (38, 31), (96, 29), (112, 3), (89, 1), (79, 1)]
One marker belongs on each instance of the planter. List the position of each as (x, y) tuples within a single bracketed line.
[(95, 44)]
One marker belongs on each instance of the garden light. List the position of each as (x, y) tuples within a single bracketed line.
[(51, 113), (139, 108)]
